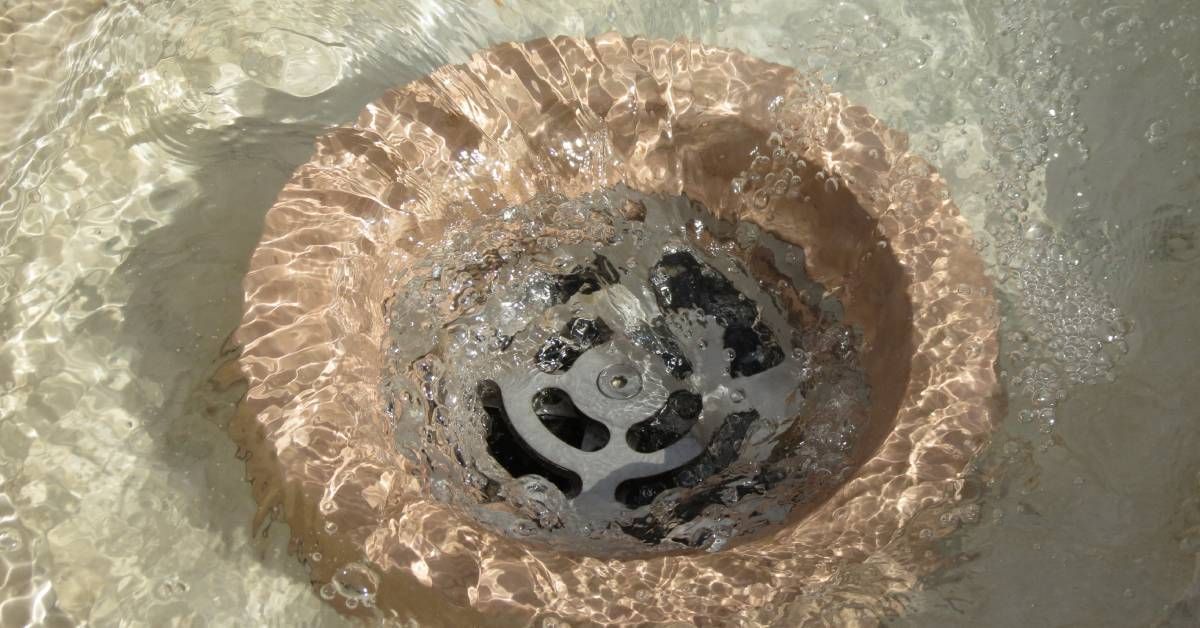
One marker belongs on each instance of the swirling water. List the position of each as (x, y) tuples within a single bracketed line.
[(142, 142), (530, 324)]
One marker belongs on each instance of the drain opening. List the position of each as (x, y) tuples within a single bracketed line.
[(721, 452), (683, 283), (656, 375), (555, 410), (507, 449), (668, 425)]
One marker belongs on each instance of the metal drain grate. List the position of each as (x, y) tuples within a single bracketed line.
[(617, 403)]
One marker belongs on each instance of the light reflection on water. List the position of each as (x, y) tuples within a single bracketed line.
[(142, 143)]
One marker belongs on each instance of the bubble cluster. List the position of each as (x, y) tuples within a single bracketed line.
[(170, 588), (994, 142), (1064, 329)]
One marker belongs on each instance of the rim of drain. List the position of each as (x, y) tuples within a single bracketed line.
[(319, 450)]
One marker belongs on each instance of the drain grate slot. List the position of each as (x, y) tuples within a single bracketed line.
[(511, 453), (668, 425), (553, 406)]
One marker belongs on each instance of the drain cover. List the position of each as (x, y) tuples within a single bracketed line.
[(618, 401), (646, 376), (618, 397)]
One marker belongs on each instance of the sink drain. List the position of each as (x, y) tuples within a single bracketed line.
[(654, 360), (594, 329), (679, 383)]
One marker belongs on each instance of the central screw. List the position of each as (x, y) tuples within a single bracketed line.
[(619, 381)]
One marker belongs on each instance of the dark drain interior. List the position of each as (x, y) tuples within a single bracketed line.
[(668, 425), (514, 455), (564, 420), (683, 283)]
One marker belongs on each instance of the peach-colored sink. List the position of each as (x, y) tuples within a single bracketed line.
[(670, 117)]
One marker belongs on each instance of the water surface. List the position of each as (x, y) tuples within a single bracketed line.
[(142, 142)]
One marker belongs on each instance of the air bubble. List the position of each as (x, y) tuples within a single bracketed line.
[(171, 587), (1157, 134), (355, 582), (10, 540)]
